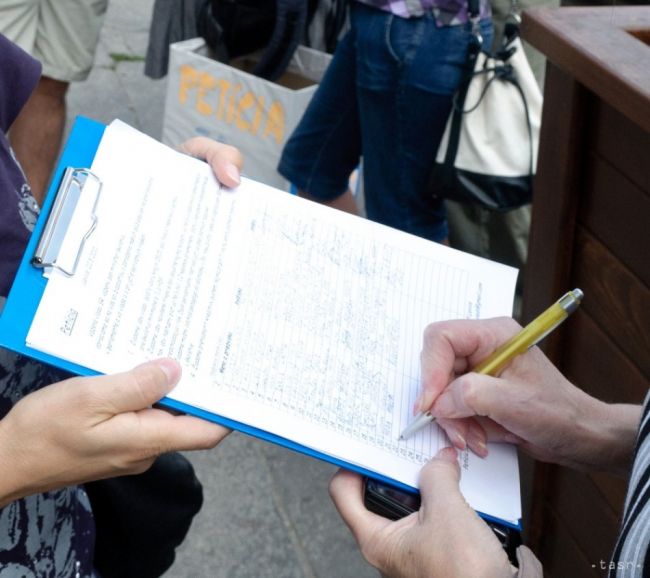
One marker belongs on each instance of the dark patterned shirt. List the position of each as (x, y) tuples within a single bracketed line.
[(48, 535)]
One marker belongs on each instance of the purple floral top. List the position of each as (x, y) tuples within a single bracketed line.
[(49, 535), (447, 12)]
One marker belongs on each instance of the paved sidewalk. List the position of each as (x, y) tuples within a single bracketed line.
[(266, 512)]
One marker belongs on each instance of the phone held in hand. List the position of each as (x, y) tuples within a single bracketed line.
[(393, 503)]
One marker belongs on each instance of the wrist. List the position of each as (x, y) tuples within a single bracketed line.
[(619, 435), (609, 436)]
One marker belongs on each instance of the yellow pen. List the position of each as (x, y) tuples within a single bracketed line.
[(530, 335)]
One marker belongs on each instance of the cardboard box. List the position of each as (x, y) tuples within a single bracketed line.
[(225, 102)]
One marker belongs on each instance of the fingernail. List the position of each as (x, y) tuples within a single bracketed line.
[(448, 454), (171, 369), (478, 446), (444, 406), (460, 441), (233, 172), (423, 402), (417, 405)]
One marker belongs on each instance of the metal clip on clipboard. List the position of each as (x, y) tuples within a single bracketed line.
[(71, 221)]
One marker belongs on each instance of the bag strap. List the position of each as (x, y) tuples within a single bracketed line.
[(473, 9), (334, 22), (473, 50), (288, 33)]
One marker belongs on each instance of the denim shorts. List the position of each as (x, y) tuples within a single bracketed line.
[(386, 96)]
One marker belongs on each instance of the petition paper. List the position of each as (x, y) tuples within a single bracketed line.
[(294, 318)]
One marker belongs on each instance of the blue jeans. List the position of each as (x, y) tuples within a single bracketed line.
[(386, 96)]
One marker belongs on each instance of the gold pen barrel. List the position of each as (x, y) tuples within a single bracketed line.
[(532, 334)]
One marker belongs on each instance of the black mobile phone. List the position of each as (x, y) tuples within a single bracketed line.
[(394, 503)]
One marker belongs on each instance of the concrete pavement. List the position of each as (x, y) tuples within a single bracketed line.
[(266, 513)]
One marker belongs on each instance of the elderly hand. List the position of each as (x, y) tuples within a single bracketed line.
[(444, 539), (530, 404), (87, 428)]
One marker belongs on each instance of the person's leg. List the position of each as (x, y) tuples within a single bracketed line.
[(408, 71), (325, 147), (63, 36), (344, 202), (37, 133)]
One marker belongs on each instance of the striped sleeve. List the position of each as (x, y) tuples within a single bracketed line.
[(630, 557)]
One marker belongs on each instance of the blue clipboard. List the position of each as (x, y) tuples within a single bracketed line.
[(29, 285)]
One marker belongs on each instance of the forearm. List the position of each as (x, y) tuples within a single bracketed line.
[(11, 487)]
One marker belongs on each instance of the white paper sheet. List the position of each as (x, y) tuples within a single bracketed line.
[(294, 318)]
